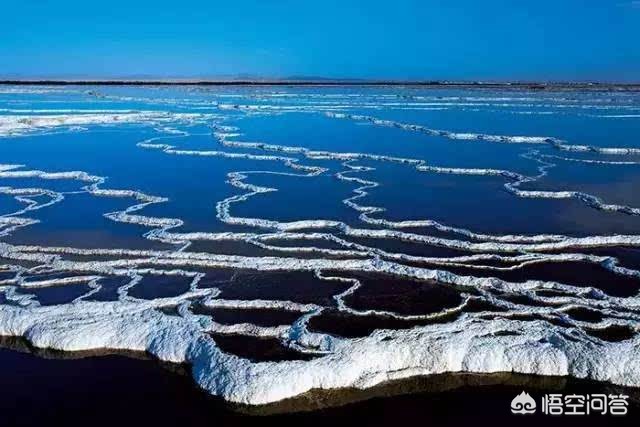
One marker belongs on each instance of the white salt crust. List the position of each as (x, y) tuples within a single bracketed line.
[(473, 342)]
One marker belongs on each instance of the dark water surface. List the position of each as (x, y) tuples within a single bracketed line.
[(121, 390), (341, 234)]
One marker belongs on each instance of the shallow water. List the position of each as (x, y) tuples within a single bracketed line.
[(226, 227)]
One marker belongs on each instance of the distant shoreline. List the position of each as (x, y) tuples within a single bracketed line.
[(356, 83)]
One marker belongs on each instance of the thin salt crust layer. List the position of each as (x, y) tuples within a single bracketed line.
[(20, 124), (526, 327), (467, 345)]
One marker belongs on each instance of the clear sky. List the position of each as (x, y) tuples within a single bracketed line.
[(398, 39)]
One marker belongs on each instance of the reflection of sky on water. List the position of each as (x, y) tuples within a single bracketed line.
[(258, 214)]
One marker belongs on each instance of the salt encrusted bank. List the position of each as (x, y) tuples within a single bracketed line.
[(527, 325)]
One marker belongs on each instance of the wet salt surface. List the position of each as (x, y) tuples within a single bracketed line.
[(278, 241)]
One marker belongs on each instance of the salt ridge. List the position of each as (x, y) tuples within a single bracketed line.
[(472, 342)]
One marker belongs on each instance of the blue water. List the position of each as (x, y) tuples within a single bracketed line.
[(254, 172)]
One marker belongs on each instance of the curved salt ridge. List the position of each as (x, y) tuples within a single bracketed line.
[(237, 181), (249, 329), (356, 284), (260, 304), (146, 199), (256, 190), (435, 105), (12, 221), (226, 375), (216, 372), (510, 139), (519, 261), (237, 178), (469, 344), (169, 149), (356, 250), (367, 210), (593, 161), (8, 167), (32, 90), (127, 267), (588, 199), (58, 282), (73, 175), (8, 171), (23, 124), (203, 260)]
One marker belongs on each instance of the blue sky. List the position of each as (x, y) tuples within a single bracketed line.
[(399, 39)]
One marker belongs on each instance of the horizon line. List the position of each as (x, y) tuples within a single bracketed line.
[(308, 82)]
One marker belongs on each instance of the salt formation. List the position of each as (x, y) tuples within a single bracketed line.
[(11, 125), (527, 326)]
